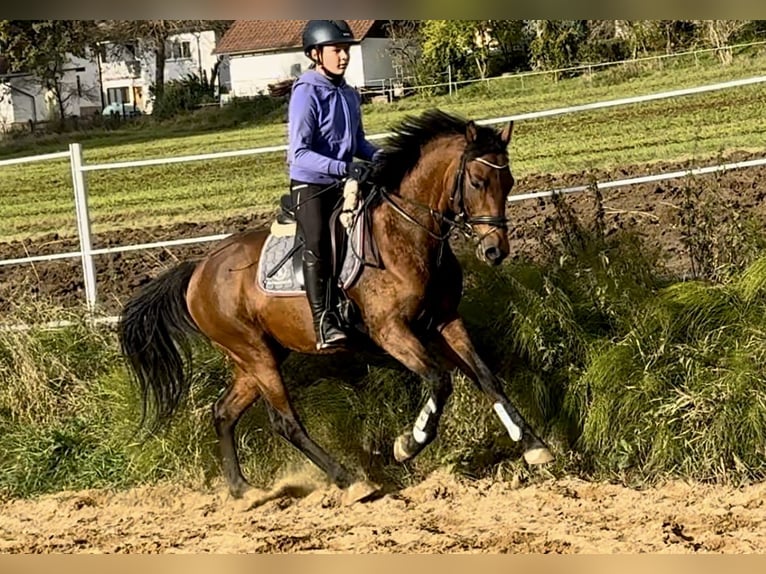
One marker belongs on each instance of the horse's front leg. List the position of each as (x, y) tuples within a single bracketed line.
[(458, 348), (396, 338)]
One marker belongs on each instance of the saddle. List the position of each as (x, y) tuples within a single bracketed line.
[(280, 270)]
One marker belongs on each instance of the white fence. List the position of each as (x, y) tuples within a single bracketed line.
[(79, 179)]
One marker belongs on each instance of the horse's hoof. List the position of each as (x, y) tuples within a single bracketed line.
[(361, 491), (240, 490), (538, 456), (401, 453)]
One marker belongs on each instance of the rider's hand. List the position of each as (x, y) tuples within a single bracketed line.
[(359, 171)]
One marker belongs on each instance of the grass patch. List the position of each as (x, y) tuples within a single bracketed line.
[(37, 199)]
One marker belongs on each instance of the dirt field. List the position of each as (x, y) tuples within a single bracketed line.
[(441, 514), (651, 208)]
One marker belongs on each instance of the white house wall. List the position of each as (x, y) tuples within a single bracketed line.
[(202, 59), (138, 75), (16, 103), (355, 70), (88, 99), (6, 107), (23, 92), (252, 74)]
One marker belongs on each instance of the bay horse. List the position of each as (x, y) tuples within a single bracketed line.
[(437, 172)]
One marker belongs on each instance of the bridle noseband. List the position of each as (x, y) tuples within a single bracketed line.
[(460, 219)]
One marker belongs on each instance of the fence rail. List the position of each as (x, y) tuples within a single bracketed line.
[(491, 121), (79, 170), (113, 320), (35, 158), (641, 179)]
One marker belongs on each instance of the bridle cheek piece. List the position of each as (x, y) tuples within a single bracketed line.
[(457, 204)]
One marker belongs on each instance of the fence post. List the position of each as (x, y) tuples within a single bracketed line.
[(83, 225)]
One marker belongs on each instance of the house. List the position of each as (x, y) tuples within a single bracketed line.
[(114, 72), (128, 70), (24, 98), (263, 52)]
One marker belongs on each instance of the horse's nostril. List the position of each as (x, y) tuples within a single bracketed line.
[(492, 253)]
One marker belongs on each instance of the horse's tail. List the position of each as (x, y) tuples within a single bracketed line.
[(156, 332)]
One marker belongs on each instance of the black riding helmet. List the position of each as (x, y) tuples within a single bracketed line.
[(326, 32)]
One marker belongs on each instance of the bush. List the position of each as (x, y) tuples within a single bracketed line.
[(180, 96)]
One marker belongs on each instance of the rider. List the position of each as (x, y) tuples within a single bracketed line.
[(325, 134)]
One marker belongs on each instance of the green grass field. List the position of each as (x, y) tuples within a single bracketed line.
[(36, 199)]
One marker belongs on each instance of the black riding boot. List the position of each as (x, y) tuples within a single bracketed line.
[(328, 331)]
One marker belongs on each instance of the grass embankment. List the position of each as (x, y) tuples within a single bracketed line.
[(627, 376)]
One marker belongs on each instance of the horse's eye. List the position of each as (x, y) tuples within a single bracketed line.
[(474, 183)]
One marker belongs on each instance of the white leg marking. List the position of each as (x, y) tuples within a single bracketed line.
[(418, 432), (513, 430)]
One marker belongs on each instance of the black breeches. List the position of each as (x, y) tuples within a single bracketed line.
[(314, 206)]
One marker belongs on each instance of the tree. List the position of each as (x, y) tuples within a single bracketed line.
[(42, 48), (405, 45), (719, 34), (462, 44), (557, 43), (512, 39)]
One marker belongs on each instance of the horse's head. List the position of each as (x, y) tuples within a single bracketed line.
[(481, 189), (457, 171)]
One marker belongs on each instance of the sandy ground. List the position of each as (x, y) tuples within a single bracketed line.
[(443, 514)]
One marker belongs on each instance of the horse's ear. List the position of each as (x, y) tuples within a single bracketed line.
[(470, 132), (505, 135)]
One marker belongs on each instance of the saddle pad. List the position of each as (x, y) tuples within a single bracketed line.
[(284, 281)]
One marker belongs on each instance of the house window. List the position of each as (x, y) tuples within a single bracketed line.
[(295, 70), (119, 95), (180, 50), (130, 52)]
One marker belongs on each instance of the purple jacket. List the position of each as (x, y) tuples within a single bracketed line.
[(325, 129)]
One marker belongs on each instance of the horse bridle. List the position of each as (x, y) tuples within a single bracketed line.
[(461, 220), (458, 206)]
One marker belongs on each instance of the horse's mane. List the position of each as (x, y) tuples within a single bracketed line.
[(402, 150)]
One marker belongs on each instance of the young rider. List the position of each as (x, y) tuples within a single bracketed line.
[(325, 134)]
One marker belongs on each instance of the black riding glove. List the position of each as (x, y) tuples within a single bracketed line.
[(359, 171)]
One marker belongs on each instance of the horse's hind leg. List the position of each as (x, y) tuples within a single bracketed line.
[(238, 397), (265, 372), (458, 348)]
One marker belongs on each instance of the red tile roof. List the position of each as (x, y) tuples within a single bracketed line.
[(248, 36)]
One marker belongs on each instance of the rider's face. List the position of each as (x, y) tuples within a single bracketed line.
[(334, 58)]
